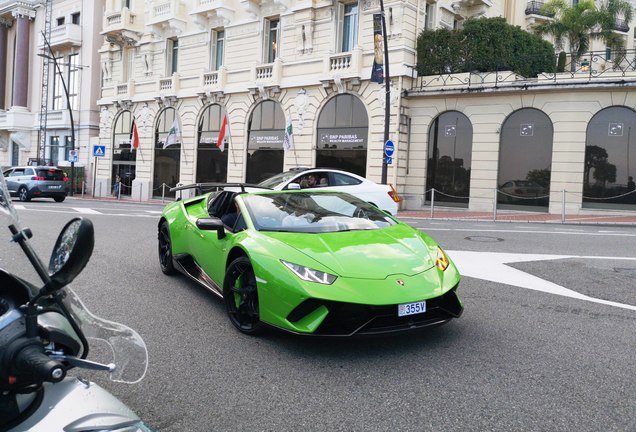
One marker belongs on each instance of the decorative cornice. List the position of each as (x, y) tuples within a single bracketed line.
[(23, 12)]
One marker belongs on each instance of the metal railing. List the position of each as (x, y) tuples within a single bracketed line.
[(567, 198), (590, 67)]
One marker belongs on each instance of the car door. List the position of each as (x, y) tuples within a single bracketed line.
[(207, 249), (8, 180), (17, 179)]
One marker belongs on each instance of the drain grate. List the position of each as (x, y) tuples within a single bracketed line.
[(484, 239), (626, 271)]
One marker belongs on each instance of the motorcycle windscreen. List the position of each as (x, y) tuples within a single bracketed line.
[(8, 214), (110, 342)]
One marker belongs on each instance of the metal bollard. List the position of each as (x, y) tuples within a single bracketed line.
[(563, 206), (494, 207), (432, 202)]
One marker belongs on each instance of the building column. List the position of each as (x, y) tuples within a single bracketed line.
[(4, 25), (22, 53)]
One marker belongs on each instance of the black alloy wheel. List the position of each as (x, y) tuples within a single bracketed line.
[(241, 296), (165, 250), (23, 194)]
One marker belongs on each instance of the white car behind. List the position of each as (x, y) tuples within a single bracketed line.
[(382, 196)]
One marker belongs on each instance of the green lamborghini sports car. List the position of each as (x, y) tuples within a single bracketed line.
[(308, 261)]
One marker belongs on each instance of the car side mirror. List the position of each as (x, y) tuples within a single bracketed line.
[(293, 186), (212, 224)]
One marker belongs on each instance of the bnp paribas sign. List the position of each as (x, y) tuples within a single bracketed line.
[(342, 138)]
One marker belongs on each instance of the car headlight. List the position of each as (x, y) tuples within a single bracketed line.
[(309, 274), (441, 261)]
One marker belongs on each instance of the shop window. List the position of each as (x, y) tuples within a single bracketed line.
[(610, 160), (525, 160), (167, 152), (211, 161), (450, 142), (266, 129), (343, 135)]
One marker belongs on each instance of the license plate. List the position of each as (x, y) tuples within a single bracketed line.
[(55, 187), (412, 308)]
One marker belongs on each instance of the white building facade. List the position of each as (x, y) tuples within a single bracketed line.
[(174, 69), (37, 119)]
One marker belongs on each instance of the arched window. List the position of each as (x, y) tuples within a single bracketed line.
[(450, 146), (525, 159), (167, 152), (266, 129), (211, 161), (124, 155), (610, 160), (343, 129)]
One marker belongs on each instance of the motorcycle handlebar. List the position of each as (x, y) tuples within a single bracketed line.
[(33, 361)]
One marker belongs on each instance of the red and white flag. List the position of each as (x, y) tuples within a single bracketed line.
[(134, 136), (223, 134)]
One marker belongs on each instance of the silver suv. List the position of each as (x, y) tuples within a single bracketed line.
[(36, 182)]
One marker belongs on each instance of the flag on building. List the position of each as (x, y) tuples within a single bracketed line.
[(174, 134), (223, 133), (134, 136), (288, 141)]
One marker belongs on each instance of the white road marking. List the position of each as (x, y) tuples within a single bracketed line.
[(491, 266), (19, 207), (84, 210)]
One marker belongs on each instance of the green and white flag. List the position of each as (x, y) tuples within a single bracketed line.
[(288, 141), (174, 134)]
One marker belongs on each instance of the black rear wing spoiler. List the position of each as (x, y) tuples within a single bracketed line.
[(201, 187)]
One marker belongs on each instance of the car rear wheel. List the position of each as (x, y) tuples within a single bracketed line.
[(59, 198), (23, 194), (165, 250), (241, 296)]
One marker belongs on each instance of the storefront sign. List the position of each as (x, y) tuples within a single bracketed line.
[(266, 139), (342, 138)]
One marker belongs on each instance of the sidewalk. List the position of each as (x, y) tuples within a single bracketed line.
[(613, 218), (444, 213)]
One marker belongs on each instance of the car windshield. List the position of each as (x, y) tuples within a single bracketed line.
[(278, 179), (313, 212), (51, 174)]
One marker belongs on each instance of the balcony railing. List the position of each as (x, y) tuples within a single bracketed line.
[(123, 26), (534, 8), (166, 14), (205, 10), (594, 66), (621, 26), (64, 36)]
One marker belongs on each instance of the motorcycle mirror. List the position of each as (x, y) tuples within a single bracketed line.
[(72, 251)]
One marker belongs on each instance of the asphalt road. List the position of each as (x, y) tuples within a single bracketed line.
[(527, 354)]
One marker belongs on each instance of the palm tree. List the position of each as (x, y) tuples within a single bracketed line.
[(578, 24)]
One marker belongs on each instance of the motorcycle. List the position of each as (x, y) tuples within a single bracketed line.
[(44, 332)]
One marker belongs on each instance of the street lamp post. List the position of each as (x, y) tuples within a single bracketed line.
[(68, 105), (387, 98)]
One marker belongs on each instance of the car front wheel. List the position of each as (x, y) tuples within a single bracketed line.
[(165, 250), (241, 296), (23, 194)]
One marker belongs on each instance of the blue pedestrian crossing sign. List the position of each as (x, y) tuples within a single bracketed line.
[(389, 148), (99, 150)]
